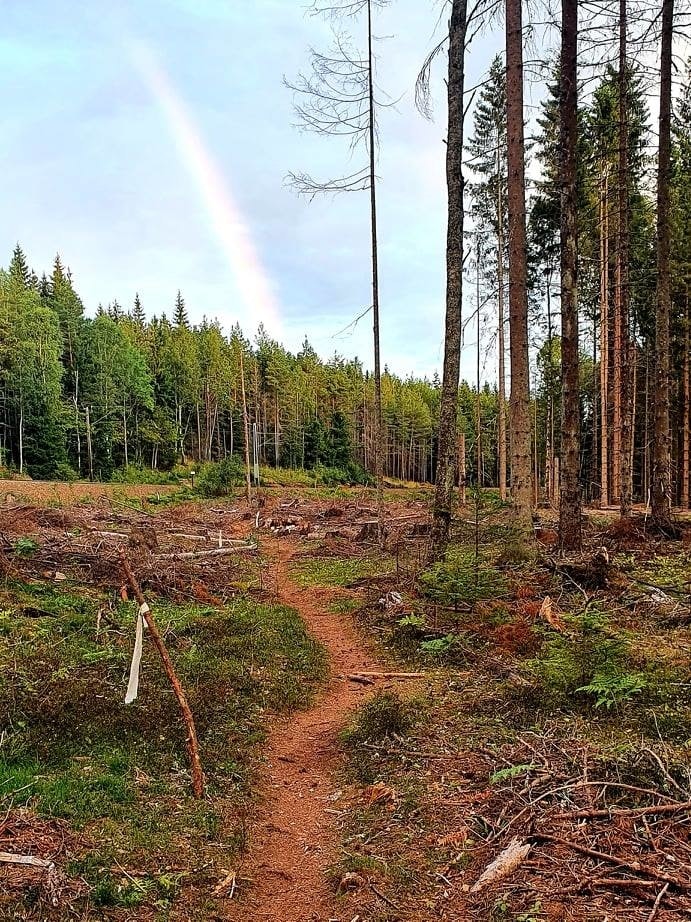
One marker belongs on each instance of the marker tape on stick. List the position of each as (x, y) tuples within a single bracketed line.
[(133, 684)]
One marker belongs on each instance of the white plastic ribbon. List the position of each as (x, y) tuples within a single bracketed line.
[(133, 684)]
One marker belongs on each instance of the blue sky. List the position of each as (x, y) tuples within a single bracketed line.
[(92, 170)]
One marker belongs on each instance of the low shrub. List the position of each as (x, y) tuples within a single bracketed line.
[(461, 579), (383, 716), (135, 473), (218, 478)]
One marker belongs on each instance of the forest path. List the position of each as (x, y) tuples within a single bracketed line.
[(295, 836)]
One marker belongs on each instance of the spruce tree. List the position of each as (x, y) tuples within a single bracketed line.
[(180, 314)]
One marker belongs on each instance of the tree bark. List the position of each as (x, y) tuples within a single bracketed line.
[(622, 351), (246, 431), (501, 409), (604, 341), (686, 411), (570, 495), (662, 452), (378, 416), (446, 452), (519, 407)]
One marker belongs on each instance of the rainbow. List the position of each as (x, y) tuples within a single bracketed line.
[(230, 227)]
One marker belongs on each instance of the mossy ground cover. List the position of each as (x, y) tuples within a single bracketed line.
[(71, 749)]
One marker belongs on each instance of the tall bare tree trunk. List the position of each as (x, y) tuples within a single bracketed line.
[(501, 345), (446, 452), (686, 414), (519, 408), (246, 431), (622, 348), (380, 448), (604, 341), (662, 452), (570, 490)]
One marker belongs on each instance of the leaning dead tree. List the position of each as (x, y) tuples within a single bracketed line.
[(337, 99)]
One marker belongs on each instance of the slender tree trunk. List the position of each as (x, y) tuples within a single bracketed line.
[(519, 409), (549, 440), (246, 430), (461, 469), (124, 432), (378, 421), (570, 495), (21, 433), (446, 451), (662, 459), (89, 444), (686, 414), (604, 342), (622, 353), (501, 345)]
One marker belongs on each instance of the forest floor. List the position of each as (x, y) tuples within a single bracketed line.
[(516, 701)]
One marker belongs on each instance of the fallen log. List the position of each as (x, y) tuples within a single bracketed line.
[(214, 552)]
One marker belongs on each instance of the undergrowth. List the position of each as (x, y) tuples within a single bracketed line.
[(71, 748)]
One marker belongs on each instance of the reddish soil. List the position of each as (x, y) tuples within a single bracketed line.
[(295, 837)]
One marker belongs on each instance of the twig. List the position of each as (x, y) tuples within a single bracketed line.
[(632, 811), (616, 859), (192, 742), (664, 771), (383, 897), (656, 904)]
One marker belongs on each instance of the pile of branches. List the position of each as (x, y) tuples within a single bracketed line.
[(542, 820), (200, 555)]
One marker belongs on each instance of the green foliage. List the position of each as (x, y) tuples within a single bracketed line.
[(25, 547), (383, 716), (439, 645), (508, 774), (461, 579), (220, 477), (137, 473), (593, 661), (611, 688)]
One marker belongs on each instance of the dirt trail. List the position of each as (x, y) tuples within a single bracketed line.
[(295, 835)]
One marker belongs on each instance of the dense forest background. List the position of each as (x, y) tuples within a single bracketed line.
[(85, 396)]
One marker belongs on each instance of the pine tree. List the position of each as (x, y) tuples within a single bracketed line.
[(487, 149)]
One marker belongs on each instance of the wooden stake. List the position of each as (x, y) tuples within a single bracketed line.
[(192, 742)]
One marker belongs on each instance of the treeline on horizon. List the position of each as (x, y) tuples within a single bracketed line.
[(88, 397)]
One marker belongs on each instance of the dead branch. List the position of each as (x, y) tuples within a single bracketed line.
[(635, 866), (192, 742)]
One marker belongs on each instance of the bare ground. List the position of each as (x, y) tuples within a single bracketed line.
[(295, 836)]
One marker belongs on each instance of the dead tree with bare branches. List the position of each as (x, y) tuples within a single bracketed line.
[(338, 99)]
